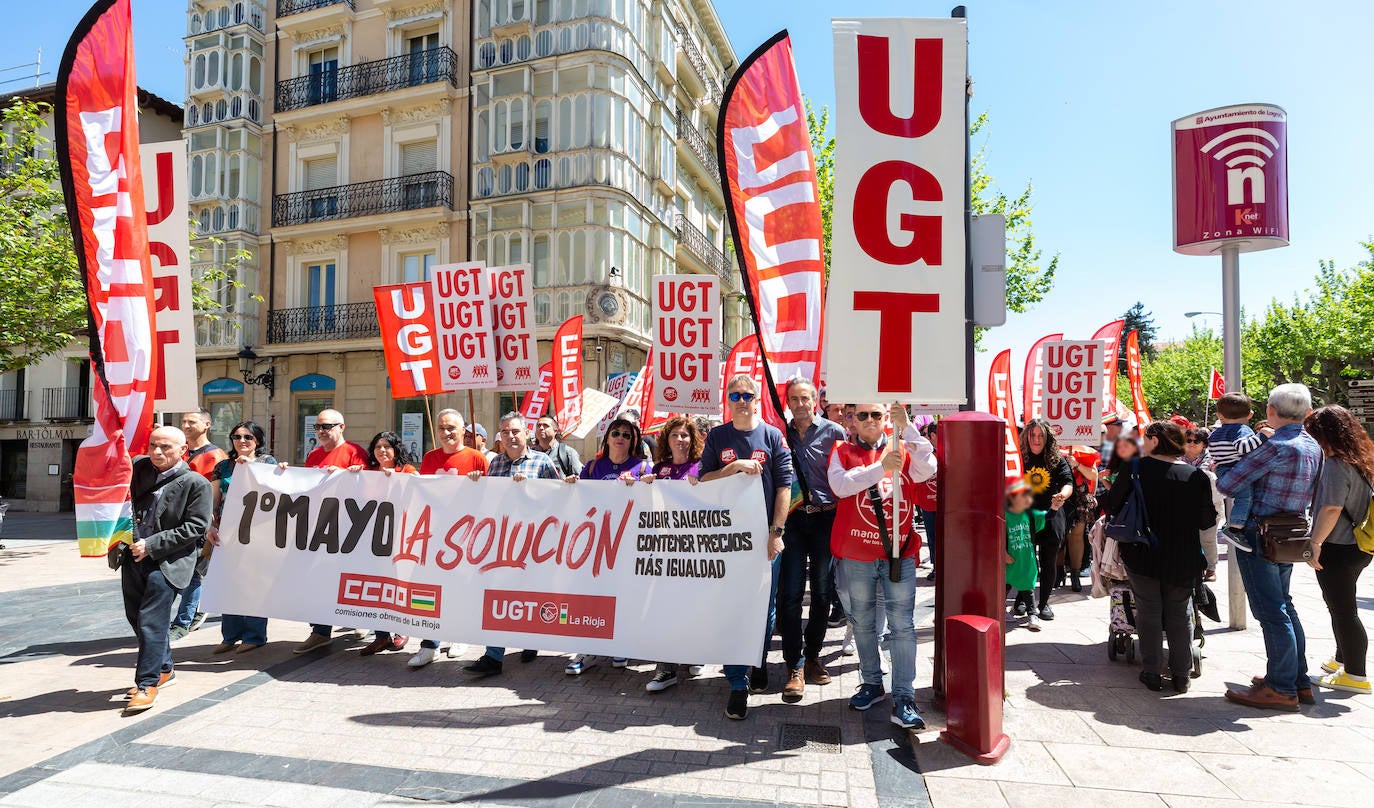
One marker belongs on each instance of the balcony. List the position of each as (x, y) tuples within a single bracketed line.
[(431, 189), (368, 78), (225, 330), (698, 62), (286, 8), (12, 405), (701, 247), (697, 144), (320, 323), (66, 403)]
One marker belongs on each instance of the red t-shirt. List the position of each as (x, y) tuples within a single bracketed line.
[(466, 459), (344, 455)]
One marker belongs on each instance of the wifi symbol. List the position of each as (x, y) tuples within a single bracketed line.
[(1245, 157)]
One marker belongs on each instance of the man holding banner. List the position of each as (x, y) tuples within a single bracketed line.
[(747, 445), (868, 540), (564, 457)]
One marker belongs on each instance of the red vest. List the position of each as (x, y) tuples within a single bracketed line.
[(856, 535)]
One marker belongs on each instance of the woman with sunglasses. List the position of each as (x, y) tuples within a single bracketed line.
[(678, 458), (246, 441), (387, 454), (1195, 447)]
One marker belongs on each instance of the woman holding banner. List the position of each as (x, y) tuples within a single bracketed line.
[(387, 454), (678, 458), (1051, 483), (246, 441)]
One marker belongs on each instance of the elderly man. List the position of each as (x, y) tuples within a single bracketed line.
[(1283, 472), (332, 453), (452, 457), (746, 445), (202, 456), (546, 440), (806, 544), (171, 514), (519, 462), (869, 538)]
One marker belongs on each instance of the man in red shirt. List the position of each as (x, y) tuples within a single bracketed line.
[(202, 456), (332, 453), (452, 457)]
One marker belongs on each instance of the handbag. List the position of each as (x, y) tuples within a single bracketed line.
[(1131, 524), (1286, 538)]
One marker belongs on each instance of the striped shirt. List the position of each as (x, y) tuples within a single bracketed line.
[(1228, 443), (533, 465)]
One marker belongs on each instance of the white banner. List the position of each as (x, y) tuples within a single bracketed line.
[(666, 571), (616, 388), (596, 409), (1073, 398), (512, 317), (686, 344), (169, 244), (462, 315), (895, 316)]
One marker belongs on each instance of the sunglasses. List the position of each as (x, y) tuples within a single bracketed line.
[(618, 434), (739, 395), (244, 437), (876, 415), (319, 427), (1193, 440)]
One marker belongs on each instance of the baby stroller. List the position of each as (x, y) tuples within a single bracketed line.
[(1110, 581)]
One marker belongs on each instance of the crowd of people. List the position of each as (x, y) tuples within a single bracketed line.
[(826, 479)]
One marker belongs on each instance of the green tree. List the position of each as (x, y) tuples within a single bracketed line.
[(1139, 320), (823, 146), (38, 257)]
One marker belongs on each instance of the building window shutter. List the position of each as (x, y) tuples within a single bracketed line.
[(419, 158), (321, 173)]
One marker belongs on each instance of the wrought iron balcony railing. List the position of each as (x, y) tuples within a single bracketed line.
[(698, 62), (368, 78), (320, 323), (696, 142), (700, 246), (66, 403), (12, 405), (431, 189), (285, 8)]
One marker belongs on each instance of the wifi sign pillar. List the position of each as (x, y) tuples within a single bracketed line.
[(1230, 197)]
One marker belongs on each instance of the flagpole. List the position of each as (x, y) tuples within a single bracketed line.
[(1207, 400), (433, 437)]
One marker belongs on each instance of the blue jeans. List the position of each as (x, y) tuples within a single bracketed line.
[(190, 602), (148, 599), (1240, 501), (492, 651), (806, 545), (863, 580), (247, 630), (1285, 644), (738, 675), (322, 630), (928, 519)]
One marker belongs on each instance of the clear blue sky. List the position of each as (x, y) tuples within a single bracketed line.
[(1081, 95)]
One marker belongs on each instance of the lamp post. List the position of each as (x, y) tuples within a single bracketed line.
[(248, 360)]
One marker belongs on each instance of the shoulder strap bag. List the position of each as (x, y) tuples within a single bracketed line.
[(1286, 538), (1131, 524)]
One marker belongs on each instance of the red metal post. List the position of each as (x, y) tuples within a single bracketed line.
[(970, 574), (973, 705)]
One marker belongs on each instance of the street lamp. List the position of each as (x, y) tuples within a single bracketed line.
[(1192, 314), (248, 362)]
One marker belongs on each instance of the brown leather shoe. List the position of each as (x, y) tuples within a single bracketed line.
[(1304, 693), (379, 644), (795, 688), (223, 648), (167, 679), (816, 673), (142, 700), (1264, 697)]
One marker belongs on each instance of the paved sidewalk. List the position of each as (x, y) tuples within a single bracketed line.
[(270, 728)]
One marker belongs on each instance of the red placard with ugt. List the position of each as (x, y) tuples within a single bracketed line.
[(1073, 394), (462, 314), (512, 318), (405, 314), (687, 343)]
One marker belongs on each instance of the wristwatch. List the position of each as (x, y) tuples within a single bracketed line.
[(776, 530)]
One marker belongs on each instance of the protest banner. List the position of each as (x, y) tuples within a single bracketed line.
[(596, 406), (567, 374), (536, 402), (899, 212), (616, 387), (1142, 412), (1073, 402), (463, 325), (768, 176), (1033, 379), (405, 318), (1001, 404), (169, 246), (1111, 333), (512, 318), (596, 567), (686, 343)]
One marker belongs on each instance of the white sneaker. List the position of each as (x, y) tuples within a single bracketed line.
[(423, 658), (578, 664), (456, 650), (848, 648), (661, 681), (695, 670), (1033, 622)]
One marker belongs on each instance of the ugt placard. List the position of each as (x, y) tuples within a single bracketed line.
[(686, 343), (1073, 394)]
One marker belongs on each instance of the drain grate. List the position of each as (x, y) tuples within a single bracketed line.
[(823, 738)]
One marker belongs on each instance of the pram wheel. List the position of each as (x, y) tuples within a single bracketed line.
[(1120, 644), (1111, 645), (1130, 650), (1197, 664)]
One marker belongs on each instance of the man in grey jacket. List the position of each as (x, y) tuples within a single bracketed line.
[(171, 511)]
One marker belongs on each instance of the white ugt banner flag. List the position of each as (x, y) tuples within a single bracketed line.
[(665, 570)]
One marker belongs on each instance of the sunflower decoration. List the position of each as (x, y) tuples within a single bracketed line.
[(1039, 479)]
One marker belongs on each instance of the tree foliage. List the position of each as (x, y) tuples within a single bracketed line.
[(823, 146), (1141, 321), (42, 299)]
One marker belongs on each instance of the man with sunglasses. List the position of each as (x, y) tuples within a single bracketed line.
[(332, 453), (746, 445), (861, 475), (807, 543)]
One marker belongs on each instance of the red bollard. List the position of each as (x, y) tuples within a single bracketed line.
[(970, 570), (973, 702)]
